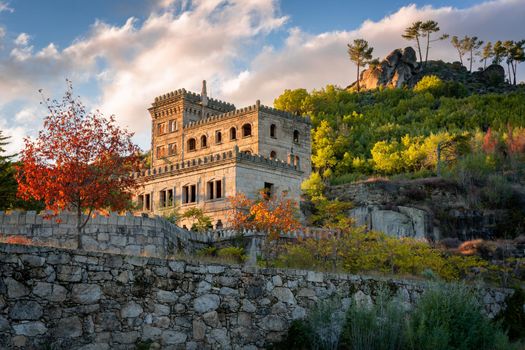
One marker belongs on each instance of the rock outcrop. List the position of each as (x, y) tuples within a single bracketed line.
[(396, 70), (401, 68)]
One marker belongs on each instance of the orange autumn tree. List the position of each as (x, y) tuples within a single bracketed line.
[(272, 214), (80, 161)]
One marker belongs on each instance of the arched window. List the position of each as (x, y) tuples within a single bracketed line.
[(233, 133), (204, 141), (297, 164), (273, 130), (296, 136), (246, 130), (218, 137), (246, 151), (192, 144), (273, 155)]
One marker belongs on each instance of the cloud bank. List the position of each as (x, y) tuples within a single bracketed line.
[(121, 68)]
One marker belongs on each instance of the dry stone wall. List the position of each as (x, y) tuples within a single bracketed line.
[(67, 299)]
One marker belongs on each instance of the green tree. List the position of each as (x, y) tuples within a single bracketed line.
[(291, 101), (515, 54), (498, 52), (486, 53), (427, 28), (200, 222), (472, 45), (323, 152), (414, 33), (360, 53), (459, 46), (8, 185)]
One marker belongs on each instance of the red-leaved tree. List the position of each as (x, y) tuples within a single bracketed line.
[(80, 161)]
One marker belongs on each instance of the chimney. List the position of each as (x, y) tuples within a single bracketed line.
[(204, 94)]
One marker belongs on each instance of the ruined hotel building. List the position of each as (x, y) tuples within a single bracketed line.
[(204, 150)]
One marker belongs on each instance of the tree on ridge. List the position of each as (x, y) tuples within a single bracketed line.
[(360, 53)]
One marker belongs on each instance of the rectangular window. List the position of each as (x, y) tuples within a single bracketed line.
[(211, 193), (169, 199), (161, 152), (218, 189), (172, 125), (189, 194), (161, 128), (147, 200), (172, 149), (162, 199), (140, 202), (193, 193), (268, 189)]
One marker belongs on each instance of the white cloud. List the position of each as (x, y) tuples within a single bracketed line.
[(312, 61), (22, 39), (183, 42), (4, 7)]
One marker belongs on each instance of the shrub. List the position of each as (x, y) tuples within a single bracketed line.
[(232, 253), (208, 251), (325, 322), (375, 327), (448, 316)]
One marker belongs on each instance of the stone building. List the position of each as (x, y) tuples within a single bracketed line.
[(204, 150)]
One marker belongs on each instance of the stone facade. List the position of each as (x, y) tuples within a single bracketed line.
[(67, 299), (204, 150)]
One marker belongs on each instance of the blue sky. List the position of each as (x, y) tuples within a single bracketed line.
[(120, 54)]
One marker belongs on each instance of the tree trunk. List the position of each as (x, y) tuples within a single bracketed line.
[(514, 68), (460, 57), (358, 77), (470, 69), (484, 63), (79, 226), (508, 72), (428, 47), (419, 50)]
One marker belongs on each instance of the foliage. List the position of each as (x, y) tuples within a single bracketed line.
[(380, 326), (347, 125), (513, 318), (232, 253), (326, 322), (291, 101), (80, 161), (15, 239), (355, 251), (438, 88), (314, 186), (199, 221), (273, 214), (208, 251), (448, 316), (173, 215)]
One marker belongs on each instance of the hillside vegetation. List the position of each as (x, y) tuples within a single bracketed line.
[(394, 131)]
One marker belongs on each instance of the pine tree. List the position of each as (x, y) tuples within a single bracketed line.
[(360, 53), (414, 33), (427, 28), (486, 54)]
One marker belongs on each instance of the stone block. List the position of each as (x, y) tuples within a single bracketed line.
[(69, 327), (173, 337), (131, 309), (69, 273), (313, 276), (30, 329), (26, 310), (50, 291), (86, 293), (125, 337), (205, 303), (15, 289), (284, 294)]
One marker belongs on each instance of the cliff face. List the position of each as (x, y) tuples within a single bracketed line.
[(431, 209)]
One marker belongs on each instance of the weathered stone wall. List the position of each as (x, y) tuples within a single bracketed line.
[(66, 299)]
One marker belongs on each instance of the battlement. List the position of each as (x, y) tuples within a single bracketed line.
[(248, 109), (193, 97), (233, 155)]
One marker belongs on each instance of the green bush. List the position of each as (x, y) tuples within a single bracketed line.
[(448, 317), (208, 251), (375, 327), (232, 253)]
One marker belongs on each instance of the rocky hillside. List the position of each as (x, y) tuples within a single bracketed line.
[(430, 208), (401, 68)]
